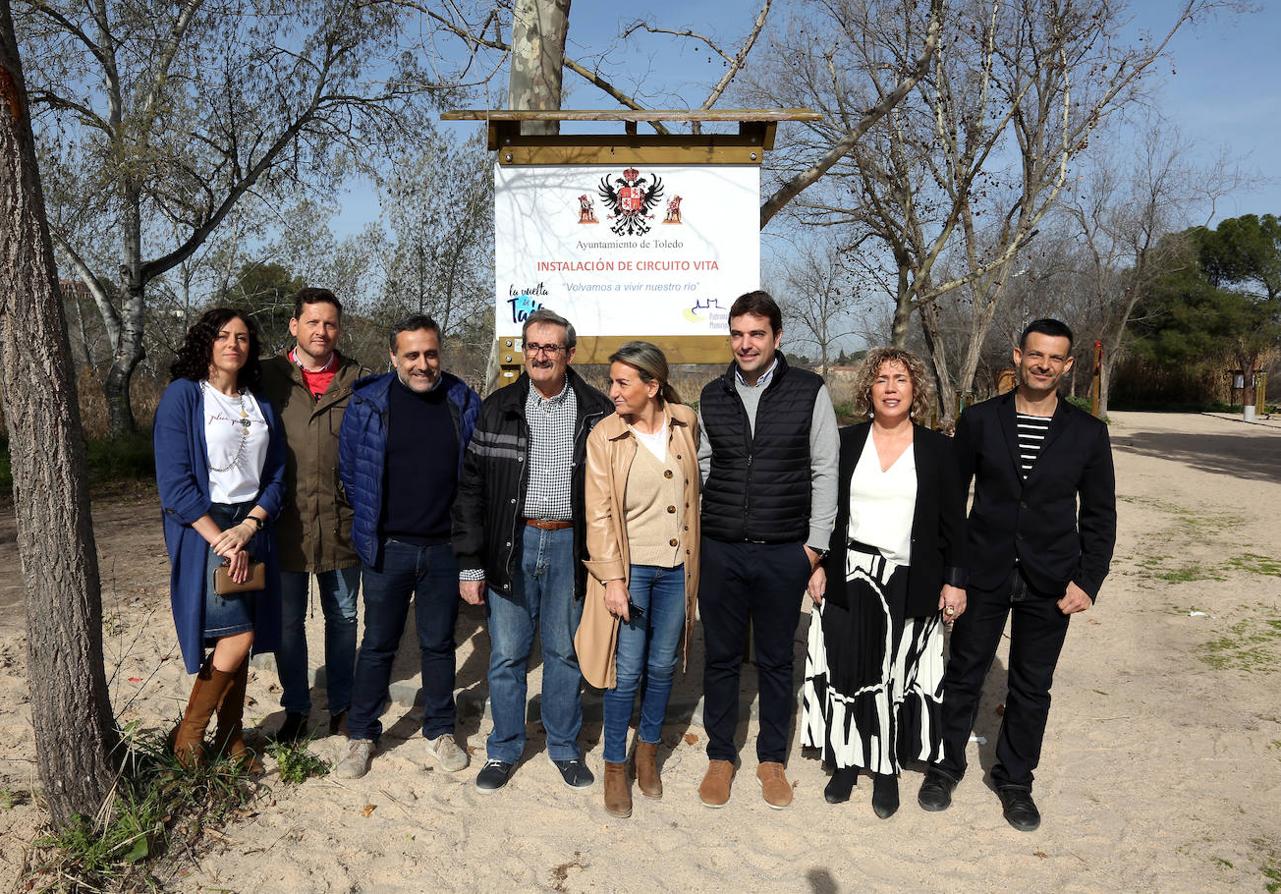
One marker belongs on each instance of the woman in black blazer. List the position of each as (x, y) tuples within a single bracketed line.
[(874, 669)]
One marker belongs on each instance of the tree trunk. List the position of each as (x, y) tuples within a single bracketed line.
[(127, 352), (902, 305), (539, 29), (938, 358), (70, 709)]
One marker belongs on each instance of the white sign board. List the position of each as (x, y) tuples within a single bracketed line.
[(625, 250)]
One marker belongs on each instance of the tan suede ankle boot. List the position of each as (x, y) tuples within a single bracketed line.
[(647, 778), (618, 790)]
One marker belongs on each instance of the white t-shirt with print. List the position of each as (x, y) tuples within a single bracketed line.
[(224, 431)]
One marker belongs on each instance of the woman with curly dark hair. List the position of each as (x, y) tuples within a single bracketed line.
[(220, 471), (894, 576)]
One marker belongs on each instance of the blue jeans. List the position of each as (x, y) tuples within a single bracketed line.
[(543, 587), (647, 643), (338, 602), (430, 575)]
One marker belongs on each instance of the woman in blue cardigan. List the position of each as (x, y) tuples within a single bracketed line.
[(220, 472)]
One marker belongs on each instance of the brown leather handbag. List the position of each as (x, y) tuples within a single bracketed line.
[(225, 586)]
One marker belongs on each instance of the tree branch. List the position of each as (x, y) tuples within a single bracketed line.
[(808, 177), (110, 318)]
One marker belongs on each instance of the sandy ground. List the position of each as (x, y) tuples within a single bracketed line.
[(1161, 769)]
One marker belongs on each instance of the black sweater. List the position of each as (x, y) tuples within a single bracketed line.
[(421, 467)]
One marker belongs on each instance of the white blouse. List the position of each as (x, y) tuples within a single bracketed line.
[(236, 452), (656, 443), (882, 504)]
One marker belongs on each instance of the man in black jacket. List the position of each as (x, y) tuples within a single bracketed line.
[(520, 539), (1033, 555), (768, 457)]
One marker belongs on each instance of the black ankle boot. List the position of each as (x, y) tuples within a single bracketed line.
[(840, 785), (885, 795)]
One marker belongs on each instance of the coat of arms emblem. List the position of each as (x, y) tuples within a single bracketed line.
[(630, 198)]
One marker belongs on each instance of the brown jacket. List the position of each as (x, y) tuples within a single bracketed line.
[(323, 541), (610, 451)]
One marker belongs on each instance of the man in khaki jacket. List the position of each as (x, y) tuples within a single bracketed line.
[(309, 386)]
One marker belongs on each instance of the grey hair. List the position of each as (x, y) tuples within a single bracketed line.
[(545, 315), (649, 361)]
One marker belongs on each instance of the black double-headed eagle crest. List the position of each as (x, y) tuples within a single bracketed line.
[(631, 202)]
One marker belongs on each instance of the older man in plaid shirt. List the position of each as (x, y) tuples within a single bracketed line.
[(520, 540)]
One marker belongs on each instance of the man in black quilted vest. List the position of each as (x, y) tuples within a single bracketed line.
[(768, 458)]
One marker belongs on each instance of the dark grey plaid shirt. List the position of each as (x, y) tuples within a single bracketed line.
[(551, 454)]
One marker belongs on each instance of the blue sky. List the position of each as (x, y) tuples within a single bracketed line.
[(1221, 86)]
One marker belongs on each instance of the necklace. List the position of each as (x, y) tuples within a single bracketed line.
[(244, 423)]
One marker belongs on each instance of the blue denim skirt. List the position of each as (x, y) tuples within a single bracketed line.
[(233, 613)]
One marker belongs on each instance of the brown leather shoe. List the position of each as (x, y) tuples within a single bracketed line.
[(647, 778), (774, 785), (207, 692), (714, 792), (618, 791)]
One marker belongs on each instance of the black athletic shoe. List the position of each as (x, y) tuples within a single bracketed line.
[(838, 788), (493, 776), (885, 795), (294, 729), (1020, 810), (936, 792), (575, 773)]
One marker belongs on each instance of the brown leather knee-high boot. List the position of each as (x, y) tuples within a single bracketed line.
[(230, 737), (207, 692)]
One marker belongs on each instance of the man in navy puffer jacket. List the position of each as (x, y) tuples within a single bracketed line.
[(400, 454)]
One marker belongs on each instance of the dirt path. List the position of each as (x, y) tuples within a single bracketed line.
[(1161, 769)]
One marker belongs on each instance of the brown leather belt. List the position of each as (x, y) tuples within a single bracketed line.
[(548, 524)]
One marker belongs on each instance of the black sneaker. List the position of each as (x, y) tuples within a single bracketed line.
[(936, 792), (294, 729), (493, 776), (575, 773), (1019, 808)]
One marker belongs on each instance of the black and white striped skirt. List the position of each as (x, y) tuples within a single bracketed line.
[(873, 678)]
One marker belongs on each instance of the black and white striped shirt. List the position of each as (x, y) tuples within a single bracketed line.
[(1032, 431)]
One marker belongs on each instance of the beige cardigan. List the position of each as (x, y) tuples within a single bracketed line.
[(610, 451)]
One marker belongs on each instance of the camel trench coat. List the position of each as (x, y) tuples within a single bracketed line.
[(611, 447)]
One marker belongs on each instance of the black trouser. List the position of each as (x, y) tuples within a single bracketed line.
[(1037, 630), (762, 583)]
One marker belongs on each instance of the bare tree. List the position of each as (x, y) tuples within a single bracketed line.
[(70, 708), (819, 296), (440, 261), (973, 159), (1064, 71), (162, 117), (483, 26)]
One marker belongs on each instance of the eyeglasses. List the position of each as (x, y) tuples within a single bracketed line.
[(533, 347)]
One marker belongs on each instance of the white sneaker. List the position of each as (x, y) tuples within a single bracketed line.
[(449, 756), (355, 763)]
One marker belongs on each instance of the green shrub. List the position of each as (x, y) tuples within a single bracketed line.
[(295, 763), (1083, 403), (159, 806)]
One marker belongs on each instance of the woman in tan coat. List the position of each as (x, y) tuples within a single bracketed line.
[(642, 538)]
